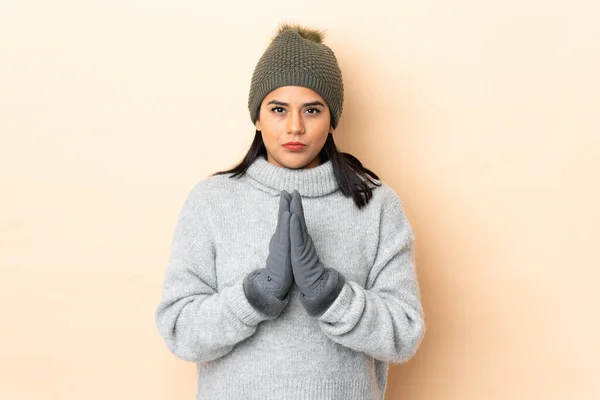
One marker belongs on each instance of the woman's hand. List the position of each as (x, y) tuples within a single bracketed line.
[(279, 276), (267, 288), (320, 286)]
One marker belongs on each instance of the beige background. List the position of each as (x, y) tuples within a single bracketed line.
[(482, 115)]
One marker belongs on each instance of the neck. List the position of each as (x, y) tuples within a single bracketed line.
[(309, 182)]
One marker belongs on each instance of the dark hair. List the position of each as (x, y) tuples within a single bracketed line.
[(353, 179)]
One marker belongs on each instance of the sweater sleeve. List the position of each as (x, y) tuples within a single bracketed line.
[(385, 318), (197, 322)]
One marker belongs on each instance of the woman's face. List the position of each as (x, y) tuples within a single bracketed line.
[(294, 114)]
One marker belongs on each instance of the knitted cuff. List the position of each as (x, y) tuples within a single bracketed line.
[(330, 288), (260, 298)]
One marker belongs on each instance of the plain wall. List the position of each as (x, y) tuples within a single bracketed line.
[(482, 115)]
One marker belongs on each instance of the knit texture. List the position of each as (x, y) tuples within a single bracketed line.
[(292, 60), (222, 235)]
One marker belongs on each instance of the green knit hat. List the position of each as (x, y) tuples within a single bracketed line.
[(297, 57)]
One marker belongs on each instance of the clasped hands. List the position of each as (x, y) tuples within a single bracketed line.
[(293, 259)]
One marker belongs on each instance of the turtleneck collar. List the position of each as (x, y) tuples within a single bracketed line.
[(309, 182)]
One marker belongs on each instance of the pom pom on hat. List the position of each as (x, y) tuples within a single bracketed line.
[(307, 33)]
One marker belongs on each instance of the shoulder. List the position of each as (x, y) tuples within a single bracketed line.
[(391, 209), (386, 198), (211, 190), (214, 185)]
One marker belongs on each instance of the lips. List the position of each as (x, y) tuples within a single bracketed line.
[(294, 146)]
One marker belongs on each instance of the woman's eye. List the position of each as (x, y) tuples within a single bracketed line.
[(279, 110)]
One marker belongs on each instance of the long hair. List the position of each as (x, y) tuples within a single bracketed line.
[(352, 177)]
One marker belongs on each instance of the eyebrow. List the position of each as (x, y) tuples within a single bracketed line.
[(281, 103)]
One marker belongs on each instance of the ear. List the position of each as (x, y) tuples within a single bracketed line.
[(257, 124)]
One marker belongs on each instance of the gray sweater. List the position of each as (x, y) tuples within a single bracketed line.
[(222, 235)]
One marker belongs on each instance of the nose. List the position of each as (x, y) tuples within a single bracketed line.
[(295, 124)]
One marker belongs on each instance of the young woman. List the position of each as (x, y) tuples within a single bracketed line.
[(292, 275)]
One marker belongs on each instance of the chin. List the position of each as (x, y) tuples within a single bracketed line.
[(303, 164), (294, 161), (295, 164)]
